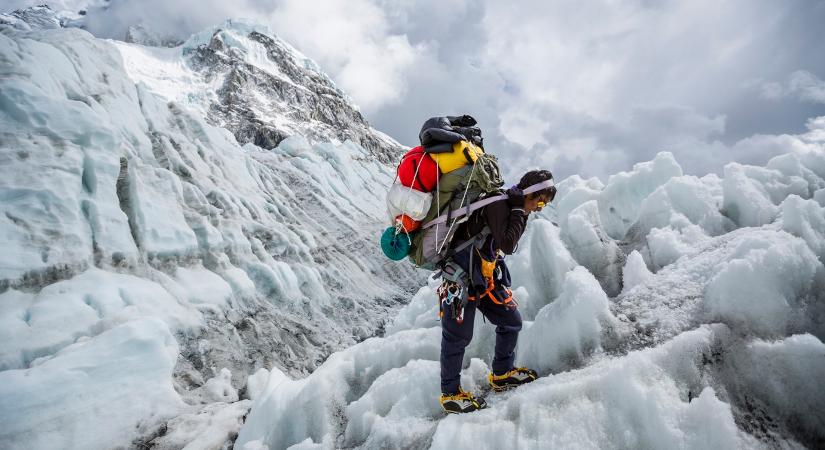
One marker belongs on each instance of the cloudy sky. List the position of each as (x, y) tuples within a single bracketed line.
[(577, 87)]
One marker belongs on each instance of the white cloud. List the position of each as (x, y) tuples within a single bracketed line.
[(629, 78), (801, 85), (522, 127), (807, 86), (352, 40)]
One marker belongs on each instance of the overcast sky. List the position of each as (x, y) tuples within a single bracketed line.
[(576, 87)]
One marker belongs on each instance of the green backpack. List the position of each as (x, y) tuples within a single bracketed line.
[(456, 190)]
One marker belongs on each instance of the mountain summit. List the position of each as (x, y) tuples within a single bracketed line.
[(263, 90)]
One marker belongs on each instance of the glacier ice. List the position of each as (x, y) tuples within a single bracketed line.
[(673, 360), (117, 385), (573, 323), (620, 200), (805, 219), (641, 400), (540, 270), (683, 201), (589, 244), (764, 285), (635, 271), (209, 427)]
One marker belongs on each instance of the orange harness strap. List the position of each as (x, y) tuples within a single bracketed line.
[(489, 290), (489, 293)]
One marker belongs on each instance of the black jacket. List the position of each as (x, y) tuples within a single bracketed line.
[(506, 228)]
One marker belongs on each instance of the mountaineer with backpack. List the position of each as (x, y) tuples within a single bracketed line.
[(450, 215), (487, 281)]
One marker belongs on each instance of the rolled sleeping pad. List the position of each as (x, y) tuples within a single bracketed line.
[(396, 246)]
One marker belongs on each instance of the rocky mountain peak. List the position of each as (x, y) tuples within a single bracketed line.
[(269, 91)]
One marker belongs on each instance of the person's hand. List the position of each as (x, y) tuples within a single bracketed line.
[(515, 197)]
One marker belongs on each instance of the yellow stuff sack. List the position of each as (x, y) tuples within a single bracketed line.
[(463, 153)]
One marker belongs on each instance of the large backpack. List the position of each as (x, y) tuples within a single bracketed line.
[(443, 177)]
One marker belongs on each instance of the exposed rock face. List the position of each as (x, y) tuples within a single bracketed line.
[(143, 35), (291, 89)]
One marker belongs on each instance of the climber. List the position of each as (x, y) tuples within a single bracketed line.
[(496, 229)]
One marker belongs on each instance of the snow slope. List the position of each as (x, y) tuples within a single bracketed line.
[(145, 251), (712, 337)]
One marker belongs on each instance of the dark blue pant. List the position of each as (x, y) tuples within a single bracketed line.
[(455, 337)]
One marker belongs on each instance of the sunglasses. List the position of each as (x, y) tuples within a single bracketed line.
[(550, 196)]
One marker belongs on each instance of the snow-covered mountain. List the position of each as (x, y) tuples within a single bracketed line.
[(190, 232), (244, 79), (146, 250)]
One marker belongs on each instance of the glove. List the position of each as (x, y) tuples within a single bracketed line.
[(515, 197)]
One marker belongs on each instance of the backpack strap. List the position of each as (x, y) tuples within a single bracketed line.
[(475, 206), (477, 240)]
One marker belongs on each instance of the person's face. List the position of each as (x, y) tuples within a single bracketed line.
[(535, 203)]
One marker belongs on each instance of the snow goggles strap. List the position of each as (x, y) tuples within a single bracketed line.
[(539, 186)]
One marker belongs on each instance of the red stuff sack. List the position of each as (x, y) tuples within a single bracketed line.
[(427, 170)]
